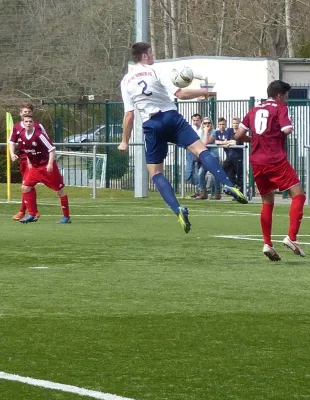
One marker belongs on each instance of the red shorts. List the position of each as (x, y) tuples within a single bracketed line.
[(53, 179), (23, 167), (280, 176)]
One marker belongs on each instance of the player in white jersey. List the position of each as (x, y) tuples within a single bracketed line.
[(146, 89)]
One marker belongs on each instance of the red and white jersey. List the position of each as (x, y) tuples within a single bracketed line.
[(17, 129), (267, 121), (36, 146), (146, 88)]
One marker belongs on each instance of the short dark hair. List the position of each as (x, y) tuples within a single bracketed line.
[(221, 119), (196, 115), (278, 87), (26, 105), (138, 49)]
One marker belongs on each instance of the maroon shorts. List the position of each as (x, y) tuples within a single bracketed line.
[(280, 176), (53, 179), (23, 167)]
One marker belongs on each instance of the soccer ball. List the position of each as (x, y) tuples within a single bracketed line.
[(182, 77)]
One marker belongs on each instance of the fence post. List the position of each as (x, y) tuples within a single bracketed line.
[(176, 169), (212, 109), (251, 178), (307, 175), (58, 132), (107, 127), (94, 171)]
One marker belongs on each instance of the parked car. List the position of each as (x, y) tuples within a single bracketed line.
[(96, 133)]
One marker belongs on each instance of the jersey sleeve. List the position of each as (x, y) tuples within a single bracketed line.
[(47, 142), (246, 122), (13, 135), (128, 102), (284, 118), (43, 129)]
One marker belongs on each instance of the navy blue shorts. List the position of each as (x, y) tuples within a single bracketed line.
[(162, 128)]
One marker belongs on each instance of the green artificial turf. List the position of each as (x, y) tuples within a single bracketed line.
[(124, 302)]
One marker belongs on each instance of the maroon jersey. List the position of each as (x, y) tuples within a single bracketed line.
[(36, 146), (267, 122), (17, 129)]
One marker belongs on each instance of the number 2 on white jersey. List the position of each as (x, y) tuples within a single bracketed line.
[(261, 121), (144, 88)]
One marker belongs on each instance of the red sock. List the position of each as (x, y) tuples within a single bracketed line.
[(296, 213), (266, 222), (65, 206), (23, 206), (30, 201)]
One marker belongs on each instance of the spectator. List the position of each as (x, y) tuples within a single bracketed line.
[(233, 162), (238, 158), (208, 137), (191, 160)]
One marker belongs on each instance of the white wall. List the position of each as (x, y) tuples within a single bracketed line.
[(296, 73), (234, 78)]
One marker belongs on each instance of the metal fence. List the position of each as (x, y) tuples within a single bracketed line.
[(76, 125)]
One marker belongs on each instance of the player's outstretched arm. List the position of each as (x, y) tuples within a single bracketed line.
[(13, 156), (189, 94), (128, 120), (242, 136), (51, 159)]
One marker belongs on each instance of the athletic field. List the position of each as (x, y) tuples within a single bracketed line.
[(122, 304)]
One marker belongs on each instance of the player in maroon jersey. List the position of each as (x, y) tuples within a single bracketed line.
[(270, 125), (25, 109), (40, 152)]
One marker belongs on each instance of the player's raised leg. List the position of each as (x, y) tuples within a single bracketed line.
[(211, 164), (295, 214)]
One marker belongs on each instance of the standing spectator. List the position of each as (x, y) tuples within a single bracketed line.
[(237, 157), (42, 168), (226, 137), (26, 109), (191, 161), (208, 137), (270, 125)]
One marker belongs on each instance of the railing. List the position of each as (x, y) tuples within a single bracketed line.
[(307, 149), (94, 155)]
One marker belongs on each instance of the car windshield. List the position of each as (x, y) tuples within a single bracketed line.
[(95, 128)]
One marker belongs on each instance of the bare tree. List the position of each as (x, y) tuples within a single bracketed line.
[(167, 25), (152, 27), (288, 23), (174, 29)]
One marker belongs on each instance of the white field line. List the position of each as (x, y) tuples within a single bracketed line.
[(124, 215), (59, 386), (250, 237), (192, 214)]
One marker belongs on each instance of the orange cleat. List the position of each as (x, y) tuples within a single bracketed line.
[(18, 216)]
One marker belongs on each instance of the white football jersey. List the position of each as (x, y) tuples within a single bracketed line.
[(146, 88)]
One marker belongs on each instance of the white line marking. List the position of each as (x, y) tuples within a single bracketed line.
[(38, 267), (59, 386), (258, 239)]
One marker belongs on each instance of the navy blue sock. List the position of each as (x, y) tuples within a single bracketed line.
[(211, 164), (165, 189)]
